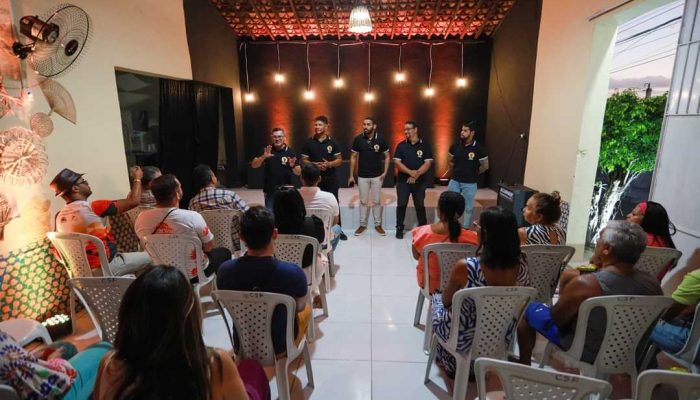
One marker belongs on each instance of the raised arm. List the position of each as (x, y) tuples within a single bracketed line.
[(258, 161), (133, 199)]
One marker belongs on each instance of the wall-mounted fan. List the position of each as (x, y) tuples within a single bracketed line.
[(57, 39)]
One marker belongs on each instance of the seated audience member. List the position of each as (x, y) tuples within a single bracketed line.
[(81, 216), (209, 197), (314, 197), (167, 218), (149, 174), (159, 351), (542, 211), (498, 263), (291, 219), (259, 270), (672, 332), (446, 230), (653, 218), (46, 374), (618, 248)]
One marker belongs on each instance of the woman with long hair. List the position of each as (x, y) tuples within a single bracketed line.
[(448, 229), (542, 211), (498, 262), (159, 351), (653, 218)]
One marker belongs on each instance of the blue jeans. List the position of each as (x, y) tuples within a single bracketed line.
[(269, 200), (468, 191), (669, 337), (86, 364), (337, 230)]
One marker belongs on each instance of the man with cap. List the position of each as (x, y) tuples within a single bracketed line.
[(81, 216)]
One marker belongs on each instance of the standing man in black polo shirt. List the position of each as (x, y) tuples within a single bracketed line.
[(324, 152), (468, 159), (413, 158), (373, 155), (281, 163)]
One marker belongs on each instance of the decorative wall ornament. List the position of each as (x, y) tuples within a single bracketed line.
[(8, 212), (59, 100), (23, 159), (41, 124)]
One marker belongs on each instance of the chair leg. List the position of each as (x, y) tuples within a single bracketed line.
[(307, 364), (325, 275), (648, 356), (331, 263), (428, 330), (695, 369), (72, 306), (282, 381), (419, 308), (546, 354), (43, 333), (461, 378), (311, 331), (324, 302), (431, 359)]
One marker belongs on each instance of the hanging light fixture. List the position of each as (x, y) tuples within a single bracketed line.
[(338, 81), (360, 21), (249, 96), (308, 93), (400, 75), (429, 91), (461, 81), (369, 96), (279, 76)]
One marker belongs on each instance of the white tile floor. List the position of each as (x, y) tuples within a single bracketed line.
[(368, 347)]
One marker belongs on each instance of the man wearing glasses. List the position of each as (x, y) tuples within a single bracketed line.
[(281, 164), (81, 216)]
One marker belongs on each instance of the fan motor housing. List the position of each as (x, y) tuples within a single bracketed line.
[(33, 27)]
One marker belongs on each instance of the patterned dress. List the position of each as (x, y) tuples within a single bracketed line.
[(539, 234), (442, 316)]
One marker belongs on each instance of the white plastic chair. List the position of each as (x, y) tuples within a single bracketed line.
[(527, 383), (25, 330), (177, 250), (221, 223), (326, 247), (102, 298), (447, 254), (654, 259), (250, 331), (628, 319), (291, 248), (498, 309), (7, 392), (687, 385), (690, 351), (545, 263)]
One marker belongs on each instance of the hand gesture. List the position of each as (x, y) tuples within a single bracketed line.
[(267, 153), (292, 161), (414, 175), (351, 181), (411, 180), (136, 172)]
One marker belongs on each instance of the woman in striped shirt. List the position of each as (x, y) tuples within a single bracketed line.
[(542, 212)]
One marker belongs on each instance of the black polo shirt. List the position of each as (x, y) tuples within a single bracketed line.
[(466, 161), (412, 156), (370, 153), (278, 171), (318, 151)]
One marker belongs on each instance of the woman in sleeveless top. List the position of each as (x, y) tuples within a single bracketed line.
[(542, 212), (159, 351), (447, 230), (653, 218)]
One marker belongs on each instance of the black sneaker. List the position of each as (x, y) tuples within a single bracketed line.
[(399, 234), (343, 236)]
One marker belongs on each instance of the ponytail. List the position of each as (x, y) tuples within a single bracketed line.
[(454, 228), (451, 206)]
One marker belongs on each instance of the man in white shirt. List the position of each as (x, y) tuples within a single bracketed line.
[(167, 218), (314, 197)]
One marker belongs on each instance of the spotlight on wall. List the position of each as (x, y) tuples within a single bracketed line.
[(279, 78), (309, 95), (338, 82), (461, 82), (400, 77), (369, 96), (249, 97), (429, 92)]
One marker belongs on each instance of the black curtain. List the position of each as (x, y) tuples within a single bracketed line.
[(189, 129), (233, 175)]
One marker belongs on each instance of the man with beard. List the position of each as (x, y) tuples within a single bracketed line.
[(324, 153), (468, 160), (281, 164), (370, 155)]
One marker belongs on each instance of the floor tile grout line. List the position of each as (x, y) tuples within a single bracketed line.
[(371, 329)]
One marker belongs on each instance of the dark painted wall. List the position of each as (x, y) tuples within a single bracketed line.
[(510, 92), (439, 118)]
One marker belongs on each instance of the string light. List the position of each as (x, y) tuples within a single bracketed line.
[(308, 93), (369, 96), (400, 76), (279, 76), (429, 91), (338, 81), (249, 96), (461, 81)]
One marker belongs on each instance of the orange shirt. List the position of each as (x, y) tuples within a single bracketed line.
[(423, 236)]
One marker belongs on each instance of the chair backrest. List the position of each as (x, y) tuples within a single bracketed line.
[(291, 248), (327, 218), (250, 325), (102, 298), (544, 264), (654, 259), (183, 252), (687, 385), (8, 393), (223, 224), (447, 255), (122, 226), (628, 319), (498, 309), (523, 382), (691, 350), (71, 247)]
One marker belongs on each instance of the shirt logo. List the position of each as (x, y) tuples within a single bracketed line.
[(284, 160), (471, 155), (419, 153), (376, 147), (330, 149)]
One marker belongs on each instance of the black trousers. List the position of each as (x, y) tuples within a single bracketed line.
[(216, 257), (331, 185), (403, 190)]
